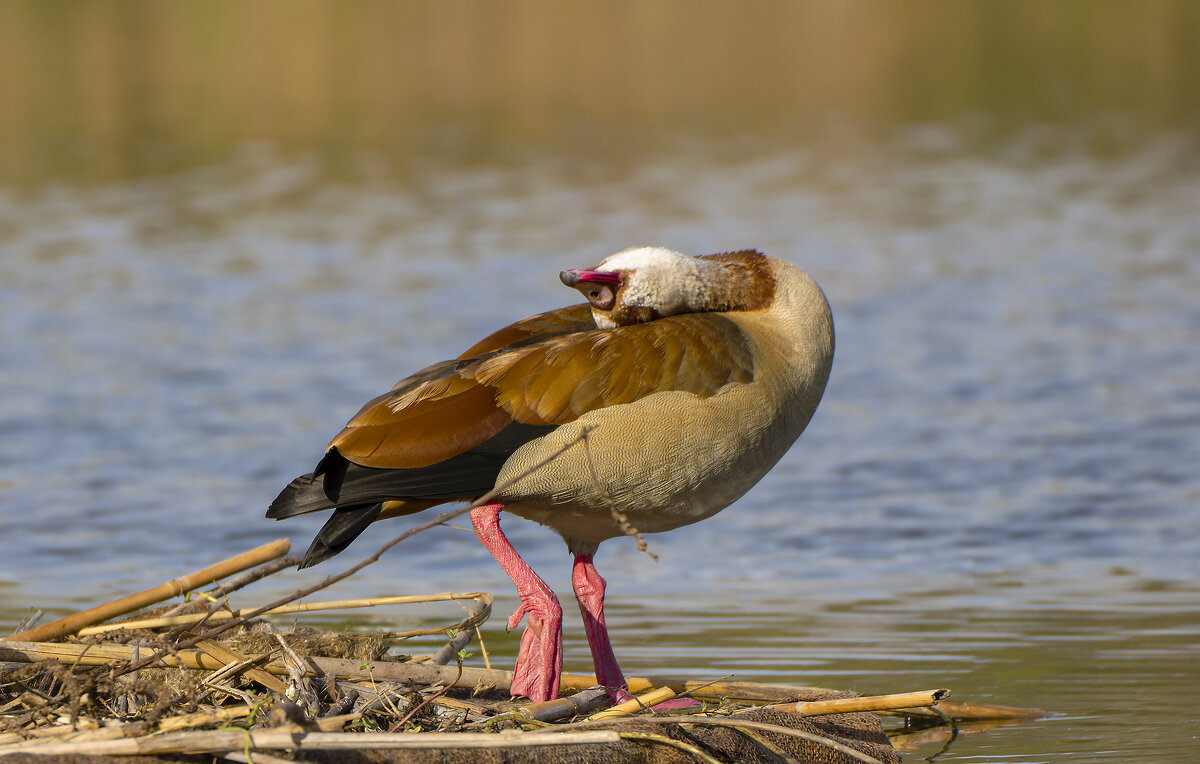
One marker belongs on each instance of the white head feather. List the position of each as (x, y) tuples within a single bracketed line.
[(660, 278)]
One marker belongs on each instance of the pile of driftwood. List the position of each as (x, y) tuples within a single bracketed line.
[(203, 677)]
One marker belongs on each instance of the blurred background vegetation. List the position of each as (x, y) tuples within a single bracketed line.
[(101, 89)]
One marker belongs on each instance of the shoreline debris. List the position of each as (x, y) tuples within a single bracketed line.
[(205, 677)]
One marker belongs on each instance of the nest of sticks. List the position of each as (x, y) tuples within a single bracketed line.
[(200, 676)]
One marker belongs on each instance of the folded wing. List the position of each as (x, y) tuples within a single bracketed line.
[(445, 432)]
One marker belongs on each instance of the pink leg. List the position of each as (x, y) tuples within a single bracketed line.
[(589, 590), (539, 663)]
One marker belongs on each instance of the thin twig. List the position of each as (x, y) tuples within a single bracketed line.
[(233, 585), (221, 604), (691, 690), (617, 515)]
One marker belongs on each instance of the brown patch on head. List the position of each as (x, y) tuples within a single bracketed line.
[(625, 315), (749, 283)]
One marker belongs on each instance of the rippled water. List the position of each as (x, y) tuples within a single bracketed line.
[(998, 494)]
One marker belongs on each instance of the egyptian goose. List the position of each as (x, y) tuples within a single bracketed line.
[(693, 375)]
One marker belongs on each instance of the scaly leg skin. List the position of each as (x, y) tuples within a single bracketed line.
[(589, 590), (539, 663)]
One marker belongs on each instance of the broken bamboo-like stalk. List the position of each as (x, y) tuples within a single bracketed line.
[(294, 738), (295, 607), (252, 672), (634, 705), (917, 699), (173, 588)]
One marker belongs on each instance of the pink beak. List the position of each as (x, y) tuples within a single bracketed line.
[(574, 276)]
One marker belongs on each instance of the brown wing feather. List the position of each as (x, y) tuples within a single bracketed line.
[(450, 408), (573, 318), (437, 413), (423, 433), (558, 379)]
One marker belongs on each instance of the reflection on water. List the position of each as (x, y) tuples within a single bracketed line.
[(998, 494), (110, 89)]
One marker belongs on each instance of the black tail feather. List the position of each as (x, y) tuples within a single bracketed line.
[(343, 526), (356, 492)]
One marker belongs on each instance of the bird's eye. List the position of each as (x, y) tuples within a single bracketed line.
[(601, 296)]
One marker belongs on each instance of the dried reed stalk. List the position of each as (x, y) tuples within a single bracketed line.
[(99, 655), (204, 718), (72, 623), (225, 588), (297, 607), (294, 738), (635, 705), (869, 703), (229, 657)]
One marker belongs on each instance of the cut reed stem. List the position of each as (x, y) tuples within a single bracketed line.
[(296, 607), (73, 623), (635, 705), (869, 703)]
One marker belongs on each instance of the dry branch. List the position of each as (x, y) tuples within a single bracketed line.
[(582, 702), (173, 588)]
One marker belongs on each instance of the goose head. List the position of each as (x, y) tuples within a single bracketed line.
[(645, 283)]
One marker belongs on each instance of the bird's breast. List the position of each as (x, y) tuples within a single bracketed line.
[(664, 461)]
